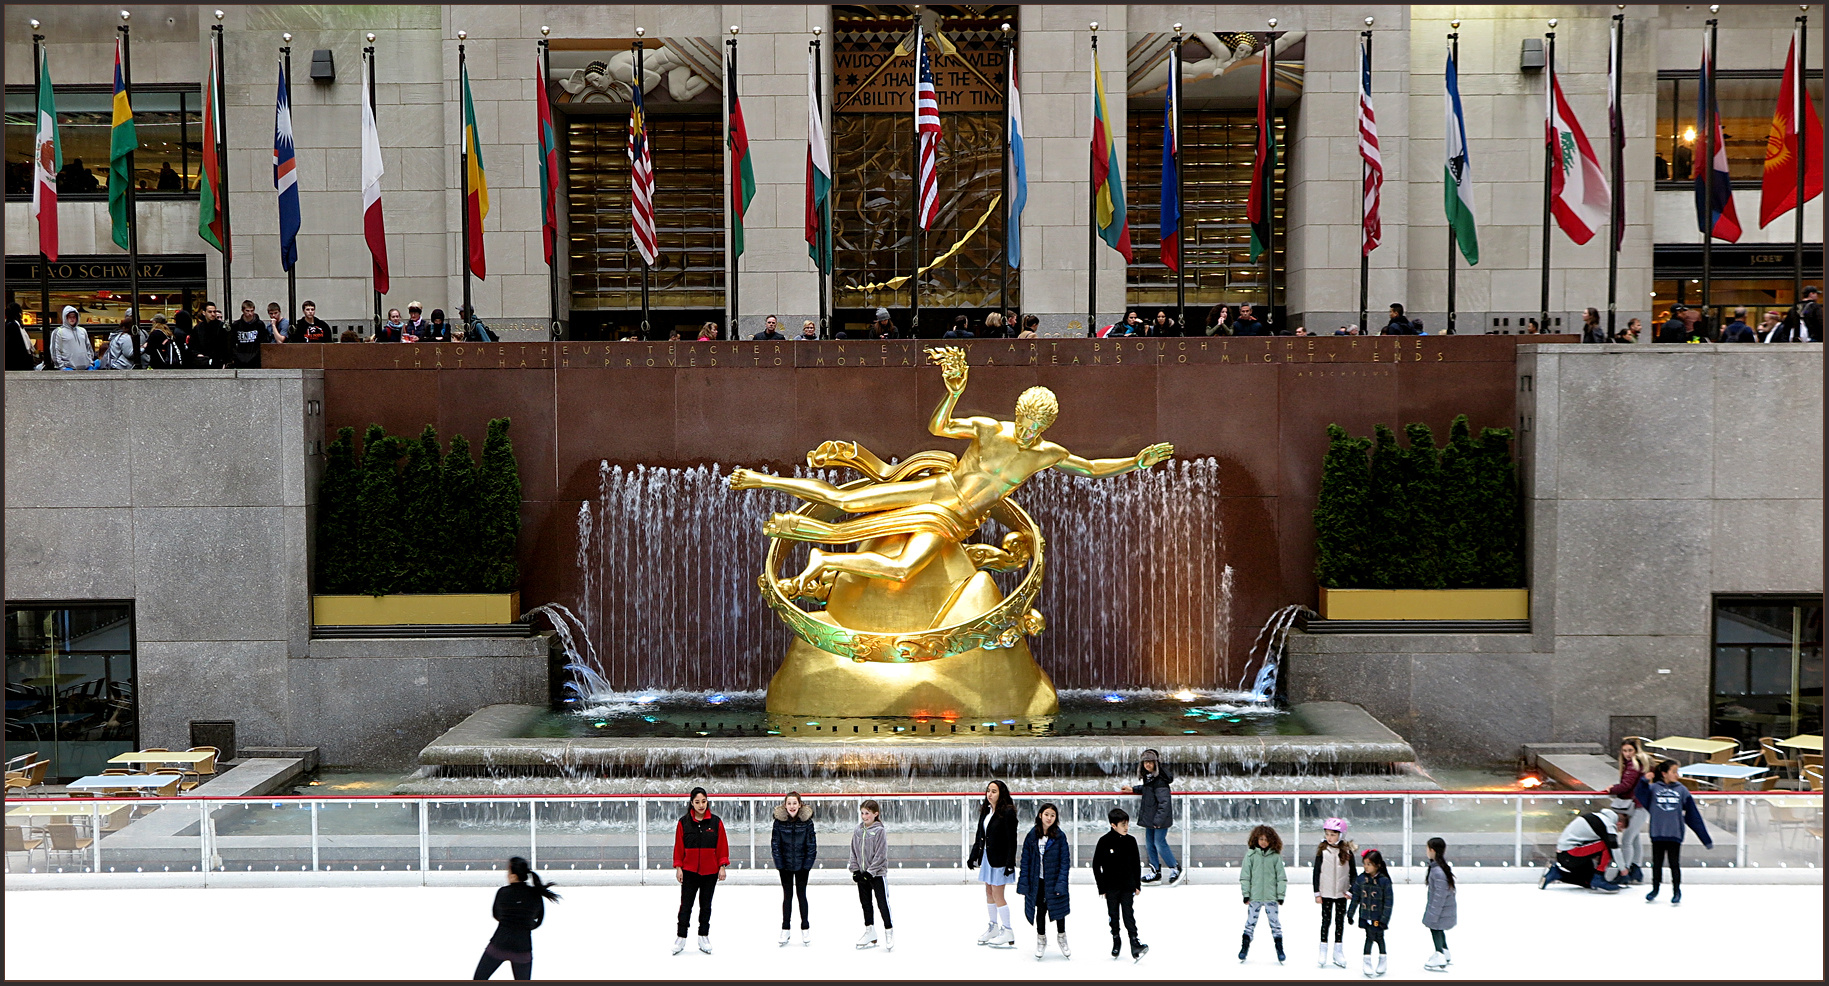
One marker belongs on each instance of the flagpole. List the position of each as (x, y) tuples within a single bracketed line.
[(1799, 93), (1181, 202), (735, 298), (1708, 182), (1365, 175), (820, 266), (1003, 285), (1616, 97), (133, 225), (44, 259), (1270, 184), (914, 176), (552, 269), (373, 84), (646, 325), (1092, 206), (1454, 55), (463, 177), (221, 151), (1549, 149), (292, 271)]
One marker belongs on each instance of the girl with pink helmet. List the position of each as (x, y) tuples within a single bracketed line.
[(1333, 879)]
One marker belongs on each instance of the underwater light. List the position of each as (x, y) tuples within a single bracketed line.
[(1530, 781), (718, 699), (1185, 695), (649, 719), (645, 700), (1114, 697), (1009, 722)]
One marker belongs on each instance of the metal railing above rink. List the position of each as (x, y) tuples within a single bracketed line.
[(1759, 837)]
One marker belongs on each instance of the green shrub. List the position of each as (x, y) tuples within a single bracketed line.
[(337, 515), (1422, 527), (1341, 515), (499, 484), (459, 510), (1387, 549), (1459, 509), (1500, 514), (421, 504), (380, 547)]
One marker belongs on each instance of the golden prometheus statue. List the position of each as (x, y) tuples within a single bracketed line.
[(913, 623)]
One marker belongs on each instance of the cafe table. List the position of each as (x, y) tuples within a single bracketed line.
[(64, 808), (1692, 744), (53, 680), (1806, 741), (1722, 771), (163, 756), (164, 785)]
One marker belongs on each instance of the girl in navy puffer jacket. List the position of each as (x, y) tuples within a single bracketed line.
[(1047, 862), (1672, 808)]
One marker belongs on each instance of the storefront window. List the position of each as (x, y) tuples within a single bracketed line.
[(168, 122), (1746, 101), (70, 695), (1768, 667)]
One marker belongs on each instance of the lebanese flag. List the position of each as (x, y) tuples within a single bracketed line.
[(1578, 187), (373, 230), (1778, 185), (47, 161)]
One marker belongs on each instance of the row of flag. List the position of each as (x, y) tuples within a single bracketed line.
[(1582, 199)]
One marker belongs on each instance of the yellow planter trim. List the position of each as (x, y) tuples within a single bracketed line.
[(1425, 604), (406, 608)]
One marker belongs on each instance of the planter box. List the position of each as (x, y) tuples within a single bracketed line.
[(1425, 604), (461, 607)]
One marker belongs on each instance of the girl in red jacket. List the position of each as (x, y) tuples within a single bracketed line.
[(701, 854)]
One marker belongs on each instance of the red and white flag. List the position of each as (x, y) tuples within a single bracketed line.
[(1371, 229), (927, 131), (47, 161), (641, 182), (373, 230), (1578, 186)]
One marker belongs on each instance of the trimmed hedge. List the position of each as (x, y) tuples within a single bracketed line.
[(438, 525), (1421, 517)]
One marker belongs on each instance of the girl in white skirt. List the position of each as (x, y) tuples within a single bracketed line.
[(994, 857)]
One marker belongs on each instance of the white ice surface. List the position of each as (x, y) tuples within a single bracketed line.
[(1506, 932)]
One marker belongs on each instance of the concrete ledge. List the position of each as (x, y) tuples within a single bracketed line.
[(1532, 751), (383, 648), (308, 754), (257, 775), (1410, 643), (1580, 772)]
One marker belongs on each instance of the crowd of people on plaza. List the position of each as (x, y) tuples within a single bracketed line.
[(1034, 856)]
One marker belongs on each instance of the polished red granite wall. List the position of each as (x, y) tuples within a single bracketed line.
[(1258, 406)]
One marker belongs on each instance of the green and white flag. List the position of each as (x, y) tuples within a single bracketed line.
[(1458, 174)]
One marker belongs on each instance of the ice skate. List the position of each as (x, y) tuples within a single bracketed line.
[(786, 936), (1652, 897), (679, 945), (1174, 875), (990, 933), (1635, 874), (1549, 877), (705, 944), (1676, 896), (1117, 946), (1244, 947), (868, 938), (1366, 967), (1339, 955), (1447, 959), (1138, 950), (1603, 885), (1381, 964), (1280, 957), (1060, 939), (1435, 963), (1006, 938), (1154, 875), (1041, 945), (806, 936), (888, 939)]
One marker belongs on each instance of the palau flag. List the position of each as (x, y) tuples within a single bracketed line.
[(123, 140)]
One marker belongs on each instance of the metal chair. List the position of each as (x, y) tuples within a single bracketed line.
[(1775, 758), (16, 842), (206, 768), (1813, 775), (65, 840), (1727, 755), (191, 777)]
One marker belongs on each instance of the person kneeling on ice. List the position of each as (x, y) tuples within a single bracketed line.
[(1371, 898), (1118, 873), (1047, 863), (1672, 807), (1263, 880), (1585, 852), (869, 867)]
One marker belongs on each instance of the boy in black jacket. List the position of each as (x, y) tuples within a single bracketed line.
[(1119, 873)]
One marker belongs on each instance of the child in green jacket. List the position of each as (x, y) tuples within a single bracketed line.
[(1264, 882)]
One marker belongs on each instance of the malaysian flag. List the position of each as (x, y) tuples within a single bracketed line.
[(641, 180), (1372, 229), (927, 129)]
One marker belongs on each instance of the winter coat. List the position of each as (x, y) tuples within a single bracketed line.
[(164, 352), (1043, 876), (1155, 807), (1333, 876), (1371, 900), (1672, 807), (870, 849), (700, 844), (1116, 867), (996, 841), (214, 345), (1262, 877), (1628, 780), (1582, 831), (1440, 913), (389, 331), (119, 355), (518, 910), (20, 353), (792, 844)]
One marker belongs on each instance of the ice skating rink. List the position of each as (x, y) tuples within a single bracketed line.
[(1507, 931)]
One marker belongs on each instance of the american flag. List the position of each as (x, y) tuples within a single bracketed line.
[(1372, 229), (927, 129), (641, 181)]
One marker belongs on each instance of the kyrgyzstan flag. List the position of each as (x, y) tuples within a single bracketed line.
[(476, 204), (1778, 185)]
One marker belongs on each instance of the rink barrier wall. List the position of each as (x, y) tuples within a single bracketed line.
[(1760, 837)]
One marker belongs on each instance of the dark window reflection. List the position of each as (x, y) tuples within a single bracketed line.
[(1768, 667), (70, 694)]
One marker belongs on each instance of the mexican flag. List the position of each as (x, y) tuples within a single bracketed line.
[(47, 161), (819, 176)]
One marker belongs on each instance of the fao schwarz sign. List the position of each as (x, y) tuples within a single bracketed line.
[(107, 270)]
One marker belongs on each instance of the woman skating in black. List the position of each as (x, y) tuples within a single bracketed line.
[(519, 908), (794, 848)]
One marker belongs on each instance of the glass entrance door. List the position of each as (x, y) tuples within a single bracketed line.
[(1768, 673), (70, 694)]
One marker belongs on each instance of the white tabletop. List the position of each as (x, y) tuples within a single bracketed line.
[(1727, 771), (98, 782)]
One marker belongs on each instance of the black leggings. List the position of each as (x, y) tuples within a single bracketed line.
[(865, 887), (794, 882), (698, 886), (1333, 909), (1041, 919), (1118, 905), (1440, 938), (1661, 851), (1374, 936), (492, 960)]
